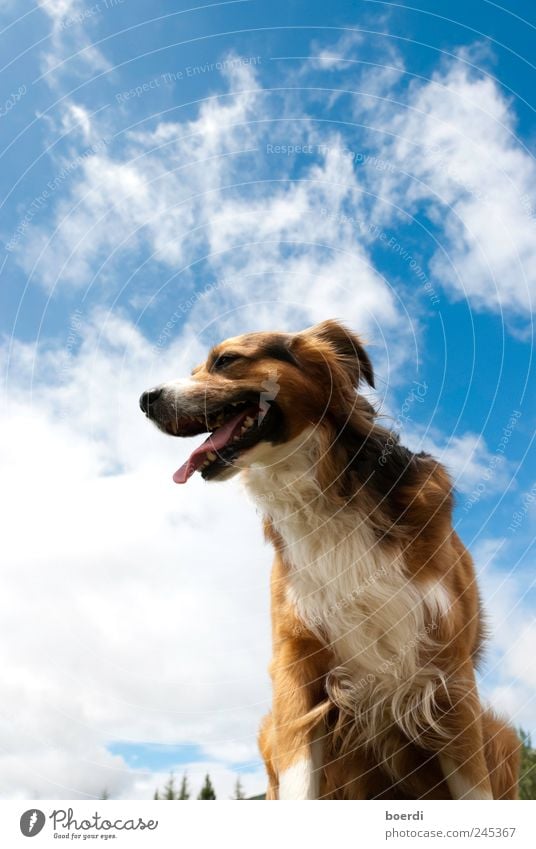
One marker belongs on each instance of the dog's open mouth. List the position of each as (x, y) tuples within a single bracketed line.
[(232, 429)]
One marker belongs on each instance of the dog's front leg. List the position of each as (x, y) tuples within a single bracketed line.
[(297, 715), (463, 758), (299, 701)]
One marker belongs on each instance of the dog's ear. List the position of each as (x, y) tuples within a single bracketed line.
[(347, 346)]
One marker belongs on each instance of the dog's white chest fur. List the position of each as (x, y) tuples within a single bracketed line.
[(347, 586)]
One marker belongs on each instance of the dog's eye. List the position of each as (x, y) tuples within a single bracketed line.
[(225, 360)]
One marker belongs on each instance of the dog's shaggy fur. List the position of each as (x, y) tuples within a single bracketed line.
[(377, 624)]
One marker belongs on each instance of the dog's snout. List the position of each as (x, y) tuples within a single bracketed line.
[(148, 398)]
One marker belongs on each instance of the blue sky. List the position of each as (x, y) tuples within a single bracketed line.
[(174, 175)]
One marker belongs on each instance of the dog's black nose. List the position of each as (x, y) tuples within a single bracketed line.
[(148, 398)]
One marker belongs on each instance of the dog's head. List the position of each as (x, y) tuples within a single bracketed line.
[(257, 392)]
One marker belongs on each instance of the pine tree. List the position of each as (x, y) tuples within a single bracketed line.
[(169, 788), (169, 791), (184, 792), (527, 773), (239, 790), (207, 790)]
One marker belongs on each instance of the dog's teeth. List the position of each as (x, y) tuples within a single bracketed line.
[(236, 438), (249, 421), (211, 455)]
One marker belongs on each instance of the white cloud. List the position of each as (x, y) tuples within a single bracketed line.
[(179, 189), (132, 609), (176, 195), (458, 158), (334, 57), (153, 193), (473, 467), (509, 671), (70, 48)]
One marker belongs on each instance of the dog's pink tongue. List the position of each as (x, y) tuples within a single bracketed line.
[(214, 442)]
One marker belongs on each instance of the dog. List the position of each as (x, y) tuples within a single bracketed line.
[(376, 617)]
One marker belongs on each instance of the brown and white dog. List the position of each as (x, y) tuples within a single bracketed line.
[(376, 617)]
